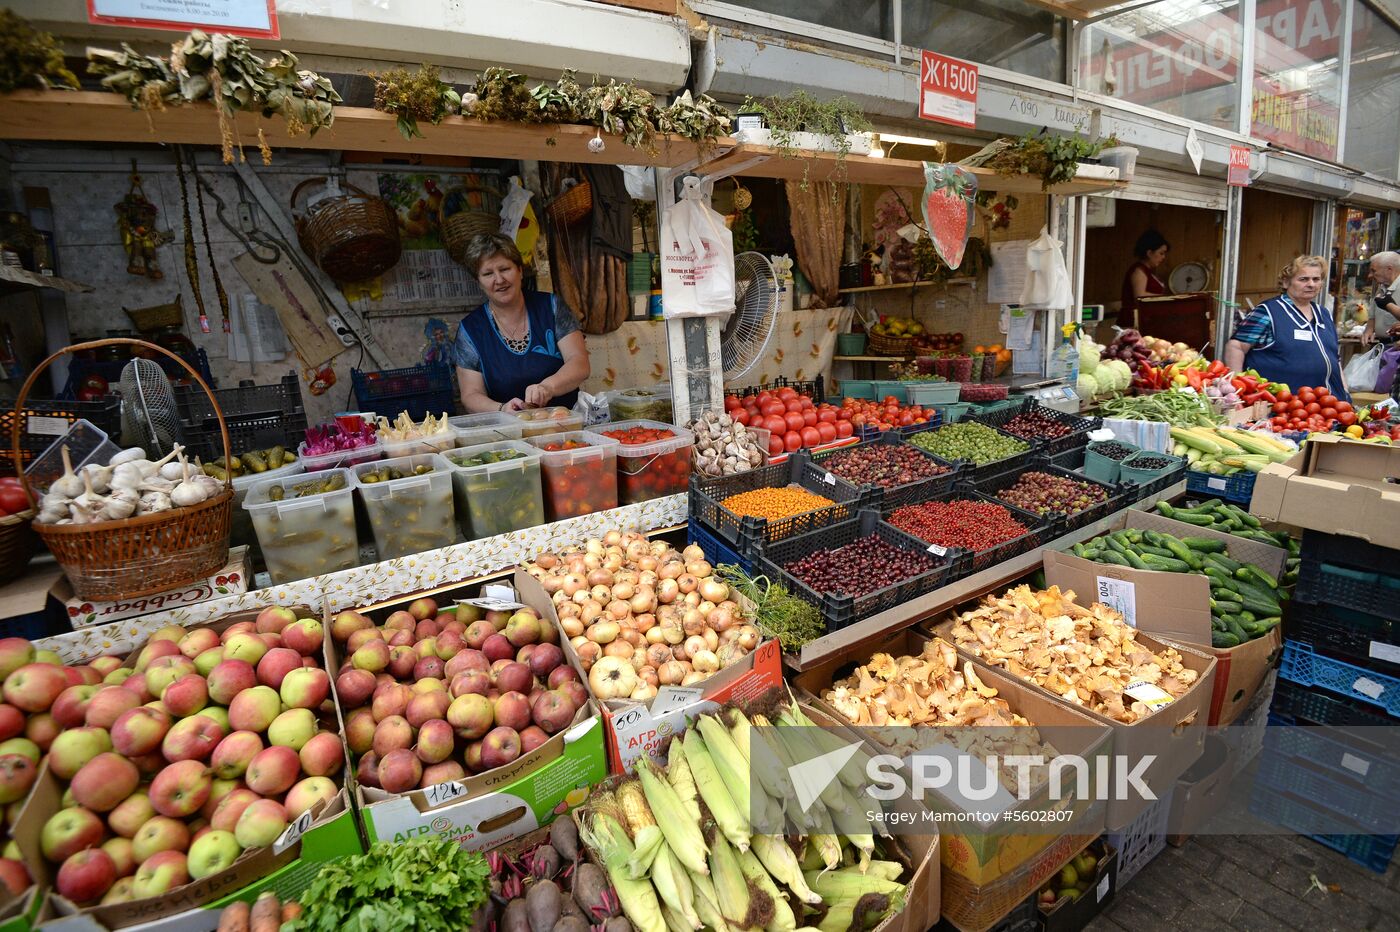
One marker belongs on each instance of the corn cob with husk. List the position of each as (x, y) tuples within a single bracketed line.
[(681, 832), (682, 781), (673, 885), (732, 821), (641, 825), (605, 835), (742, 904)]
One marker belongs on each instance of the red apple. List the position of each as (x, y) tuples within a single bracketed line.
[(305, 637), (531, 738), (576, 691), (276, 664), (87, 875), (501, 746), (367, 771), (34, 686), (131, 813), (186, 696), (11, 721), (422, 608), (346, 623), (354, 687), (159, 874), (472, 715), (160, 833), (274, 619), (234, 753), (399, 771), (436, 741), (197, 641), (70, 708), (323, 755), (139, 731), (359, 730), (181, 789), (74, 748), (273, 770), (391, 734), (441, 773), (69, 831), (230, 808), (305, 688), (105, 781), (192, 738)]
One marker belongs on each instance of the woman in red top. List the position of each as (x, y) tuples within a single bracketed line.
[(1151, 251)]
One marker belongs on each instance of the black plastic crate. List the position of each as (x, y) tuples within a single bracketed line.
[(1146, 490), (419, 390), (865, 432), (111, 370), (972, 472), (1306, 704), (749, 535), (1361, 590), (839, 611), (813, 388), (258, 416), (906, 494), (1080, 425), (716, 550), (1345, 633), (1071, 459), (1118, 496), (1038, 530), (104, 414)]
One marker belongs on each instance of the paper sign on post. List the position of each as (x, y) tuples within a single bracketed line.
[(1240, 159), (1194, 149), (948, 90)]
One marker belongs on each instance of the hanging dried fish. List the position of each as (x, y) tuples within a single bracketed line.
[(191, 257)]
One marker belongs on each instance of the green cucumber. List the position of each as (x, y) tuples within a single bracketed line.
[(1204, 544), (1251, 573), (1223, 639), (1165, 564), (1112, 556)]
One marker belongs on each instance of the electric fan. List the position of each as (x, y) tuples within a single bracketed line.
[(149, 417), (745, 337)]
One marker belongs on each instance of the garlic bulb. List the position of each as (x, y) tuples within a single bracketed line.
[(121, 504), (127, 475), (156, 484), (188, 492), (127, 456), (152, 502), (53, 509), (170, 471), (158, 467), (68, 485), (101, 477), (210, 485)]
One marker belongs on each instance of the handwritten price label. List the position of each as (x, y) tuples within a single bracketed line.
[(292, 834), (442, 793), (938, 550)]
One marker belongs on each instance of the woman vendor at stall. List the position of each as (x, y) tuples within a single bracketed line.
[(1291, 338), (520, 349), (1141, 280)]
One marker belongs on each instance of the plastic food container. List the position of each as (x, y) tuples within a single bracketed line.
[(338, 459), (1123, 158), (496, 496), (409, 514), (310, 530), (580, 474), (487, 427), (652, 403), (86, 443), (241, 530), (651, 469), (433, 443), (539, 421)]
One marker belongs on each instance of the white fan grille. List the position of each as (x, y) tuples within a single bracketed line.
[(745, 337), (149, 416)]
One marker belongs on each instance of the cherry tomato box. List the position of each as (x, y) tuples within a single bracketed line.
[(580, 473), (653, 459)]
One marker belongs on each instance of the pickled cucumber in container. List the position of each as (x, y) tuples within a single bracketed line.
[(409, 503), (305, 524), (496, 487)]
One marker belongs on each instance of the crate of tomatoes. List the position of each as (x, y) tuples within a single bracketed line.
[(872, 418), (793, 420), (1310, 409), (580, 473), (653, 459)]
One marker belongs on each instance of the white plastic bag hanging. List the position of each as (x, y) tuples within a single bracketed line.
[(697, 260), (1047, 280), (1364, 368)]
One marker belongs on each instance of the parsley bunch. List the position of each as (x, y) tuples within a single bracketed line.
[(427, 884)]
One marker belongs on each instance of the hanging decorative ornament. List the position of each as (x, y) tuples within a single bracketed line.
[(949, 209), (136, 219), (596, 144), (742, 196)]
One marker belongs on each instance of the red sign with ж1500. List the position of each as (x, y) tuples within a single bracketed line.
[(947, 90)]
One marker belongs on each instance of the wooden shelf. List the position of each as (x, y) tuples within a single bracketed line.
[(890, 359), (26, 279), (863, 289), (96, 116)]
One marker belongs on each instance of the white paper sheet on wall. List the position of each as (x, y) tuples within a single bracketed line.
[(1020, 327), (1007, 275)]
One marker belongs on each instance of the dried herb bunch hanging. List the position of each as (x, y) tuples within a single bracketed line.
[(30, 58), (1054, 158), (414, 96), (224, 71), (501, 94)]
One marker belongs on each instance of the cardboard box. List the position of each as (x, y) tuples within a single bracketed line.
[(1240, 670), (1201, 791), (488, 809), (982, 858), (1335, 485), (231, 579), (637, 728), (1071, 915), (19, 914), (27, 607), (1174, 735), (973, 907)]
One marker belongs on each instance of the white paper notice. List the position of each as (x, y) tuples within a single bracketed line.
[(1194, 149), (1355, 764), (1368, 687), (1020, 328), (1119, 595), (1390, 653), (1007, 276)]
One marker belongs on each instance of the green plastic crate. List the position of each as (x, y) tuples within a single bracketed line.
[(860, 389), (949, 413), (883, 387), (850, 344), (932, 393)]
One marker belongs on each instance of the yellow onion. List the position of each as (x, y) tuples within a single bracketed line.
[(647, 578), (671, 631), (729, 654), (642, 692), (693, 552), (746, 637), (693, 621), (603, 632), (644, 622), (672, 570), (618, 648), (667, 591), (688, 583), (721, 617), (694, 677), (552, 583), (657, 654), (671, 673), (691, 600), (583, 596), (594, 561), (547, 561), (699, 568), (618, 610), (600, 577), (623, 590), (573, 583), (705, 662), (632, 636), (712, 590), (711, 639), (654, 635), (635, 550), (612, 538), (590, 612), (694, 644), (588, 653), (648, 676), (644, 601), (572, 626)]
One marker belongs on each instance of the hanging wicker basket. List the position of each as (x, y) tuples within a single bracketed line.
[(350, 236), (467, 211), (110, 560), (571, 206)]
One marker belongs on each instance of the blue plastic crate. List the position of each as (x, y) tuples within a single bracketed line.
[(1346, 798), (1303, 665), (1238, 488), (419, 390), (1346, 754), (873, 433), (1371, 851), (716, 550)]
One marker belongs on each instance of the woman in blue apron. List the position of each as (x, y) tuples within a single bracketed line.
[(1291, 338), (520, 349)]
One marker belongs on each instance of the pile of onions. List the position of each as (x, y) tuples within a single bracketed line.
[(640, 614)]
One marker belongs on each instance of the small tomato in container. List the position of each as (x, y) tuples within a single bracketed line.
[(580, 473), (653, 459)]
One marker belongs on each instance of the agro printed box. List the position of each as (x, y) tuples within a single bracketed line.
[(637, 728), (982, 858), (327, 833), (488, 809), (1335, 485), (1171, 738), (20, 912), (231, 579), (1239, 670)]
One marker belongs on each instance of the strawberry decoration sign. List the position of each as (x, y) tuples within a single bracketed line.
[(950, 195)]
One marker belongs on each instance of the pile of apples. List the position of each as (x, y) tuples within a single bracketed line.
[(431, 697), (209, 744)]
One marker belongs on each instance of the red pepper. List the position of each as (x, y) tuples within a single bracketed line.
[(1193, 379)]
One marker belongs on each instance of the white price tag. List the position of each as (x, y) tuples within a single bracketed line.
[(1368, 687), (441, 793), (492, 605), (500, 593), (1119, 595), (670, 698), (49, 426), (1149, 694), (1355, 764), (938, 550), (292, 833), (1104, 886), (1387, 652), (829, 479), (1216, 483)]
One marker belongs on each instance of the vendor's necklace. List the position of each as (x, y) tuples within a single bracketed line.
[(515, 344)]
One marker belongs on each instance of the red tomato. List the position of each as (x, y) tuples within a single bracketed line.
[(775, 425), (1278, 423), (1326, 400), (807, 403), (1307, 395), (1280, 407), (906, 419), (809, 417), (1330, 413), (1312, 407), (792, 405), (827, 430), (843, 429), (1347, 418), (775, 445), (811, 437), (764, 397), (786, 392), (856, 421), (1284, 396), (793, 420), (740, 415), (770, 408), (731, 402), (792, 441), (1343, 406), (13, 500), (827, 415)]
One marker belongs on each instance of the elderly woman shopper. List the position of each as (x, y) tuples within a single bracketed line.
[(1385, 314), (1291, 338), (521, 349)]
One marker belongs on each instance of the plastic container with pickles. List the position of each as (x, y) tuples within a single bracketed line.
[(537, 422), (409, 503), (305, 524), (496, 487)]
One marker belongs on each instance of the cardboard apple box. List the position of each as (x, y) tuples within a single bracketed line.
[(230, 579), (320, 835), (488, 809), (1335, 485), (637, 728), (19, 912), (982, 857), (1173, 736)]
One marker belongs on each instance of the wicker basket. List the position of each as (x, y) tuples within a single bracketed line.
[(17, 544), (351, 236), (571, 206), (138, 556), (461, 220), (880, 344)]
